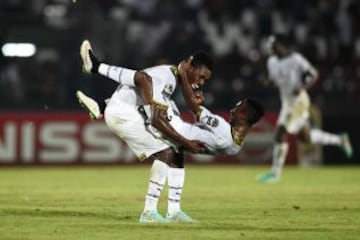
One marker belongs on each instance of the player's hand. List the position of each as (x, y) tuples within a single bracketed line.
[(195, 146), (199, 97)]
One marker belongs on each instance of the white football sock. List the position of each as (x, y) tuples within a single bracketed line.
[(121, 75), (279, 155), (318, 136), (176, 178), (158, 174)]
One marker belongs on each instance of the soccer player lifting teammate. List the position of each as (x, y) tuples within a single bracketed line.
[(140, 128), (293, 75)]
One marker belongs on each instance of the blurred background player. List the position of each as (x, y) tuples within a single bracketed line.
[(293, 75), (124, 116)]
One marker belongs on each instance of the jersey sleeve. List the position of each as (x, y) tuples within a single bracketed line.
[(270, 68), (164, 84), (158, 93)]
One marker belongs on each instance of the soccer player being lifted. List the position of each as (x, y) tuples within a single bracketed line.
[(293, 75), (219, 136)]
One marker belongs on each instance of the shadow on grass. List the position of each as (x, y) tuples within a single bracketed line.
[(129, 220), (37, 212)]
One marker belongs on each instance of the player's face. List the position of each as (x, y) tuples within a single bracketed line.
[(276, 48), (279, 49), (198, 76), (238, 113)]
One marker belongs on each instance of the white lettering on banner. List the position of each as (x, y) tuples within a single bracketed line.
[(60, 144), (27, 150), (104, 147), (8, 143)]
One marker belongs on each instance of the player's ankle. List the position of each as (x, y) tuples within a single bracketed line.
[(95, 63)]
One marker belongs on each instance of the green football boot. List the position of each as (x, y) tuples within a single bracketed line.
[(346, 145), (268, 177), (152, 217), (180, 216)]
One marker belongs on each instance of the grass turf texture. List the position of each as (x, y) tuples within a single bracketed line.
[(105, 203)]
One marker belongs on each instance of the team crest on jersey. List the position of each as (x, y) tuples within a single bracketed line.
[(167, 91), (213, 122)]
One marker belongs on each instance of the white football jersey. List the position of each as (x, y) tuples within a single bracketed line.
[(164, 83), (287, 73), (163, 86), (211, 129)]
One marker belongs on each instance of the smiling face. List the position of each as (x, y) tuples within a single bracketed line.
[(198, 76)]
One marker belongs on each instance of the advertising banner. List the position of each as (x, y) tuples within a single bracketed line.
[(34, 138)]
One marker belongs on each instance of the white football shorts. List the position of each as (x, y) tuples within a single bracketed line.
[(295, 116), (126, 122)]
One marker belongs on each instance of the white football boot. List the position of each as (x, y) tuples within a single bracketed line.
[(85, 56), (89, 105)]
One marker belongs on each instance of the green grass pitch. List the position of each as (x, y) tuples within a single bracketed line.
[(105, 203)]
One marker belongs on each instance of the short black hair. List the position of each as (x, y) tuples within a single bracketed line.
[(255, 111), (201, 58), (283, 39)]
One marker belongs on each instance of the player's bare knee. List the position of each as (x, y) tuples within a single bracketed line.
[(178, 160), (167, 156)]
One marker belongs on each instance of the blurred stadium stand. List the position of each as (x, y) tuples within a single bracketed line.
[(141, 33)]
